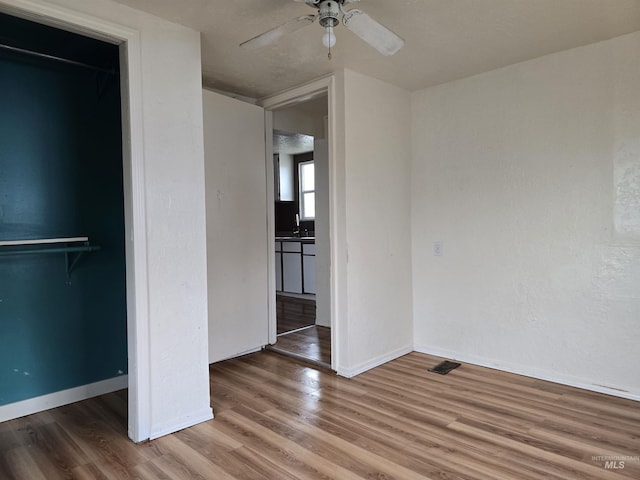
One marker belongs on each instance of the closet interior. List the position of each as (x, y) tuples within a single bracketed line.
[(62, 243)]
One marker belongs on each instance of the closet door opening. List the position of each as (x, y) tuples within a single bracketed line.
[(63, 300)]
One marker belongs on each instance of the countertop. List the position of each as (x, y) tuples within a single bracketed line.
[(291, 238)]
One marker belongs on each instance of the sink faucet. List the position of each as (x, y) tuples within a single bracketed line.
[(296, 231)]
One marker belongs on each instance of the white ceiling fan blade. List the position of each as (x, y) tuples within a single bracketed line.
[(372, 32), (274, 34)]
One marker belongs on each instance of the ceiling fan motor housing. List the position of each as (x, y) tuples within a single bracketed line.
[(328, 13)]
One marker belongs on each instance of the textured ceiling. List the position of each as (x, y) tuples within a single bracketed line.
[(445, 39)]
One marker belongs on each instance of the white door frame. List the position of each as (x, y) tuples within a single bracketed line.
[(139, 421), (303, 93)]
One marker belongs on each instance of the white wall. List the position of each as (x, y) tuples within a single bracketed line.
[(376, 153), (237, 249), (173, 190), (294, 120), (530, 176)]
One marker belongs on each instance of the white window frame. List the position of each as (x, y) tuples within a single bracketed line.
[(301, 191)]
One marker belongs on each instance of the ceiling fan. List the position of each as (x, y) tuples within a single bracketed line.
[(329, 11)]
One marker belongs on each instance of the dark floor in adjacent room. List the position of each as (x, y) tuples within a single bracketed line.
[(294, 313)]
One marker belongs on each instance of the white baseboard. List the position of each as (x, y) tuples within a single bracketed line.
[(182, 423), (528, 372), (376, 362), (64, 397)]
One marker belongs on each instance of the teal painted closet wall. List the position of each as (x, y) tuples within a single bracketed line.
[(60, 176)]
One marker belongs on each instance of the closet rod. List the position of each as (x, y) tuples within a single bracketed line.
[(57, 59)]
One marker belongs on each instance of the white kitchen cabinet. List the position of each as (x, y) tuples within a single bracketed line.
[(295, 267), (309, 273), (278, 266), (292, 247), (291, 270)]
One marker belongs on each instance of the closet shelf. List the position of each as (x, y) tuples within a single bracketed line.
[(72, 248)]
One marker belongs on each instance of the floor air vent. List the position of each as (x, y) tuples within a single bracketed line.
[(444, 367)]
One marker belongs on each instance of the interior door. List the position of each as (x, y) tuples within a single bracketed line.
[(237, 269)]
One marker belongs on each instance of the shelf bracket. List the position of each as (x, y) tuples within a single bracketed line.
[(72, 258), (70, 262)]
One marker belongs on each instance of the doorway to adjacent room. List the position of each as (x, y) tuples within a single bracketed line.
[(301, 210)]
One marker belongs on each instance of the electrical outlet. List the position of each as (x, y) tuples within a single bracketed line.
[(437, 249)]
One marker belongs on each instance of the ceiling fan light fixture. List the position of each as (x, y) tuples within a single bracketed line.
[(329, 13), (329, 38)]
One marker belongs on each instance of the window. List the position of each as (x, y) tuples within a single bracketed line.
[(307, 181)]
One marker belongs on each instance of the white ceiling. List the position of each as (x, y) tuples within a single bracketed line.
[(445, 39)]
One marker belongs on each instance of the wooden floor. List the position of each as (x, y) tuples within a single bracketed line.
[(294, 313), (311, 343), (277, 419), (306, 340)]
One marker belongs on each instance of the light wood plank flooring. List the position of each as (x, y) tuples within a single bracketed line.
[(277, 418), (311, 343), (297, 333), (294, 313)]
